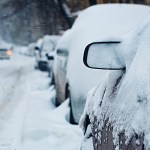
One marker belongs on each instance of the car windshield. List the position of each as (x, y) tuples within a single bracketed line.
[(3, 49)]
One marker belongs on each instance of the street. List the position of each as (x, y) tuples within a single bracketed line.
[(28, 117), (74, 75)]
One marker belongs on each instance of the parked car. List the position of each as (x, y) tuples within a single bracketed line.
[(60, 67), (117, 110), (5, 53), (37, 53), (94, 23), (44, 46), (51, 54)]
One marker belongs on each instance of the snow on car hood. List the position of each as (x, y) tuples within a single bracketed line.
[(126, 101)]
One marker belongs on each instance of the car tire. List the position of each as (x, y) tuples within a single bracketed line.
[(53, 79), (42, 65), (71, 116), (56, 102), (72, 121)]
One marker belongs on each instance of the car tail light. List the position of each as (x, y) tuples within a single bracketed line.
[(9, 52)]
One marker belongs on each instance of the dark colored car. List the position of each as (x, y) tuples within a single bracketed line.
[(116, 115), (5, 53)]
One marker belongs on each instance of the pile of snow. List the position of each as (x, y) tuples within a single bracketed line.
[(47, 127), (23, 50), (28, 117)]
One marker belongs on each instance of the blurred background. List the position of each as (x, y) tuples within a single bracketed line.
[(25, 21)]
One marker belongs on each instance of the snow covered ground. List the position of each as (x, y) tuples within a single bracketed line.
[(28, 118)]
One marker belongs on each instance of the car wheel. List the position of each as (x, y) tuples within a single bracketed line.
[(36, 67), (42, 65), (68, 96), (56, 102), (53, 79), (49, 72)]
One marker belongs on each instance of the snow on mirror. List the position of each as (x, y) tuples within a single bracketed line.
[(102, 56)]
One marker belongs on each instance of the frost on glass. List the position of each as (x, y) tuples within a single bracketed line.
[(103, 55)]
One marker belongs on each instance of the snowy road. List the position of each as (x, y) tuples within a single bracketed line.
[(28, 117)]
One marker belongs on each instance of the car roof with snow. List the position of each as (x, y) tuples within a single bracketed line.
[(109, 19), (5, 45), (49, 42), (104, 22), (64, 41)]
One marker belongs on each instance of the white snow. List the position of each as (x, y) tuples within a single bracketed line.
[(28, 117), (127, 105), (49, 42), (97, 23)]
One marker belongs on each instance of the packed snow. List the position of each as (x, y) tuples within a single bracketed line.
[(28, 117)]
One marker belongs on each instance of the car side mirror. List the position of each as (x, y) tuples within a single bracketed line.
[(50, 57), (102, 55), (62, 52)]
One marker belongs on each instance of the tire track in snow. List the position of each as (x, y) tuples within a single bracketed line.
[(13, 108), (10, 89)]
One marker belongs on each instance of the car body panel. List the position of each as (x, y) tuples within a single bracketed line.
[(97, 22), (117, 109), (60, 67)]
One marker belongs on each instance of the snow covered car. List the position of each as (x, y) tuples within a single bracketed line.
[(5, 53), (94, 23), (44, 46), (37, 53), (117, 110), (60, 67), (50, 55)]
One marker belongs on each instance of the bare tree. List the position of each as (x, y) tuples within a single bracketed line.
[(24, 21), (65, 11)]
